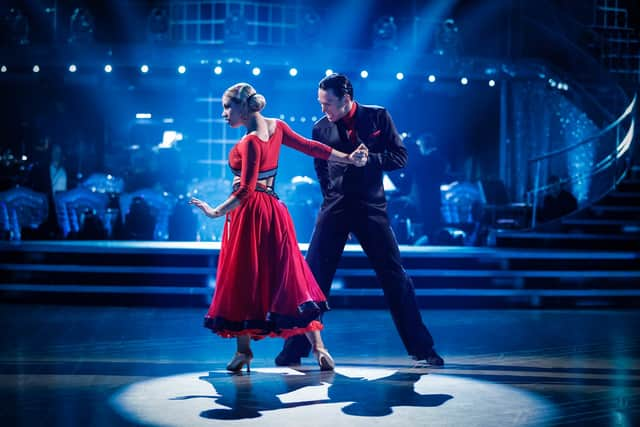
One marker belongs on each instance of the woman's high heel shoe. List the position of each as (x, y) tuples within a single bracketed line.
[(325, 361), (239, 360)]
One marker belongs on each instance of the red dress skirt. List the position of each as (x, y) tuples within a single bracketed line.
[(264, 286)]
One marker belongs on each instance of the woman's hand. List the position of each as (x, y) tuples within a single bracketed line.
[(360, 156), (204, 206)]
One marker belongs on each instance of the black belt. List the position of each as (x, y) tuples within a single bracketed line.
[(260, 188)]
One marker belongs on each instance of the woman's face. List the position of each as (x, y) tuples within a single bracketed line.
[(232, 112)]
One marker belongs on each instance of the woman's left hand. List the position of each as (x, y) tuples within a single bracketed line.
[(204, 206)]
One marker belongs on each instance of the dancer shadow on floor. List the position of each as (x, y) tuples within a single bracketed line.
[(247, 396)]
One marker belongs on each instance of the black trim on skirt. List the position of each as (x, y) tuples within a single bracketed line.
[(274, 323)]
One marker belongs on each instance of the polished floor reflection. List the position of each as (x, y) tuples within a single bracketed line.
[(121, 366)]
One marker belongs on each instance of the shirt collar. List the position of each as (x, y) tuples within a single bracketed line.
[(349, 118)]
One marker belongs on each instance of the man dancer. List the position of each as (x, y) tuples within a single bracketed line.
[(354, 202)]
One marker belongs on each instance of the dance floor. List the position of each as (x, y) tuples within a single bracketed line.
[(157, 366)]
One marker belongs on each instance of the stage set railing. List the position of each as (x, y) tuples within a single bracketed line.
[(609, 154)]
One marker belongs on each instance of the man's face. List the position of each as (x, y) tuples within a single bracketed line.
[(335, 108)]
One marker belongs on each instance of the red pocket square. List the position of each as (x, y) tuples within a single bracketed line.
[(376, 133)]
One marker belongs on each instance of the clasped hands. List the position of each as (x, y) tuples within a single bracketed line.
[(360, 156)]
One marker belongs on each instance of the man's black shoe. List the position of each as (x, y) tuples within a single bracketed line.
[(431, 358), (283, 359)]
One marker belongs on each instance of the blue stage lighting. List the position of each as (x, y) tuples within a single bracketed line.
[(217, 70), (492, 83), (73, 68), (432, 78), (144, 68), (182, 69), (328, 72), (256, 71), (464, 81), (293, 72), (36, 68), (108, 68), (399, 76), (3, 69), (364, 74)]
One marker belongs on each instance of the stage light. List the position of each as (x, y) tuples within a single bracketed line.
[(293, 72), (432, 78), (292, 118), (256, 71), (364, 74), (303, 119), (144, 68), (399, 76), (314, 118), (447, 39), (328, 72), (218, 70), (464, 81), (36, 68), (108, 68), (73, 68), (143, 115), (236, 29), (158, 24), (3, 69), (385, 32), (492, 83), (17, 27), (81, 27), (310, 29)]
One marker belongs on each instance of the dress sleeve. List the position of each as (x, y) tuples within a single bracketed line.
[(249, 150), (309, 147)]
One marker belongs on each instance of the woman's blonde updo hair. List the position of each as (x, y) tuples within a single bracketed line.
[(245, 95)]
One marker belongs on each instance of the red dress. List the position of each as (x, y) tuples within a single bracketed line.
[(264, 286)]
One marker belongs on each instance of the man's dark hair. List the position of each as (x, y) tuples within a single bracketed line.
[(338, 83)]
